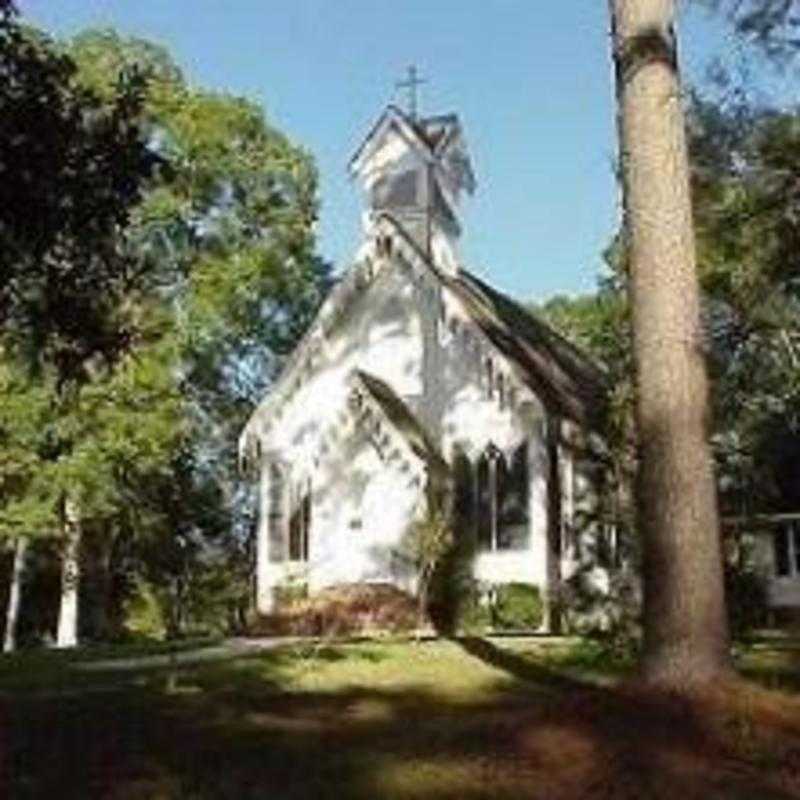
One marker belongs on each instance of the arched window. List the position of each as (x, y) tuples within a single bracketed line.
[(300, 523), (502, 500), (276, 521), (489, 378)]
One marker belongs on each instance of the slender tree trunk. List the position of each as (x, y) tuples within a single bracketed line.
[(686, 638), (422, 604), (15, 595), (70, 577)]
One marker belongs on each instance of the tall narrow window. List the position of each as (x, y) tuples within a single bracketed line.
[(502, 499), (787, 550), (276, 521), (300, 525), (512, 502), (489, 379)]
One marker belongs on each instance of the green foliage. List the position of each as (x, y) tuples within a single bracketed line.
[(476, 608), (427, 542), (230, 229), (462, 605), (517, 606), (213, 235), (429, 539), (748, 242), (773, 26), (74, 167), (475, 616), (27, 492), (144, 611)]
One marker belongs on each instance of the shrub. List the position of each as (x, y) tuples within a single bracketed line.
[(144, 613), (517, 606), (427, 544)]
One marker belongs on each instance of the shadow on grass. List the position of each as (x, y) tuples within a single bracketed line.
[(235, 731), (518, 666)]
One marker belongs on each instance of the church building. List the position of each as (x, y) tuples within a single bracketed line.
[(418, 381)]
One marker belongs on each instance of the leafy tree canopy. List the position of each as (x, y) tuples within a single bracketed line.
[(73, 168), (217, 240), (772, 25)]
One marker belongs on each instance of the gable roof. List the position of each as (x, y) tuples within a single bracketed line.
[(566, 380), (407, 125), (431, 134), (403, 419)]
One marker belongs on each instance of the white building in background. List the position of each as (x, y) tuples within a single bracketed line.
[(415, 377)]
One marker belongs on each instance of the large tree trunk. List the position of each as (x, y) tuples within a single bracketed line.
[(15, 595), (70, 578), (686, 638)]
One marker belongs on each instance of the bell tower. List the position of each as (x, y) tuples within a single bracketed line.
[(415, 169)]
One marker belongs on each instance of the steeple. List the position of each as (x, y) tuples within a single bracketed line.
[(415, 170)]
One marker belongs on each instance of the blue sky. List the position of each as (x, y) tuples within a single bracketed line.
[(533, 89)]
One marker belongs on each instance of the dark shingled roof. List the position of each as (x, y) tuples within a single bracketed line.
[(404, 420), (566, 380)]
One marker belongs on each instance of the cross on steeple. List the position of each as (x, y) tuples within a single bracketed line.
[(411, 83)]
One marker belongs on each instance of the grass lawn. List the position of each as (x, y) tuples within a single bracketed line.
[(442, 719)]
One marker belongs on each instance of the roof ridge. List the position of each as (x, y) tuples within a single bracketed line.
[(555, 369), (533, 317)]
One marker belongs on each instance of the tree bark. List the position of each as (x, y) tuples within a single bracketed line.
[(15, 595), (67, 635), (685, 628)]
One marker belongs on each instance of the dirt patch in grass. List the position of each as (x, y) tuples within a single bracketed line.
[(630, 743)]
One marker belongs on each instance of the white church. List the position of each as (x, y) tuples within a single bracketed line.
[(416, 379)]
